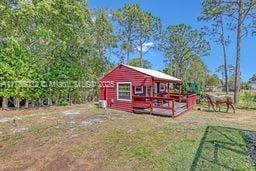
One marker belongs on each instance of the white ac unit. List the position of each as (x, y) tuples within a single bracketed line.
[(102, 103)]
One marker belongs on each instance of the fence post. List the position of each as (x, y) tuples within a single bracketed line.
[(151, 105), (173, 107)]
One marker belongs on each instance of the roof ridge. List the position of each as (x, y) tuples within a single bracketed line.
[(153, 73)]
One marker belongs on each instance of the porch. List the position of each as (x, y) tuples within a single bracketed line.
[(164, 106)]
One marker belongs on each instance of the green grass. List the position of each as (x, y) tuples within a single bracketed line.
[(199, 140), (150, 148), (176, 148), (223, 148)]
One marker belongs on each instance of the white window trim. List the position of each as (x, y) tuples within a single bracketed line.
[(138, 92), (117, 91)]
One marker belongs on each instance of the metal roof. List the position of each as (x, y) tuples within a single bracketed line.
[(154, 73)]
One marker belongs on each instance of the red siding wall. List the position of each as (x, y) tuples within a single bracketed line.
[(122, 74)]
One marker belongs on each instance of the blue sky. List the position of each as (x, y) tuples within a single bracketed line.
[(186, 11)]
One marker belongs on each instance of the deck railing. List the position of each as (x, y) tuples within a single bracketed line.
[(191, 101), (150, 102)]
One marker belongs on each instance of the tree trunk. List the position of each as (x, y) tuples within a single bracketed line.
[(70, 99), (41, 103), (225, 58), (129, 41), (49, 102), (17, 103), (127, 57), (33, 104), (26, 104), (141, 55), (238, 52), (5, 103)]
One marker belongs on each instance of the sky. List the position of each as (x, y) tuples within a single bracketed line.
[(173, 12)]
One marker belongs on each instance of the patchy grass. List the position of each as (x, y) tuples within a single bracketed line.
[(57, 138), (223, 148)]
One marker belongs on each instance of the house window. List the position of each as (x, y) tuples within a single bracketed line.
[(124, 91), (139, 90), (162, 87)]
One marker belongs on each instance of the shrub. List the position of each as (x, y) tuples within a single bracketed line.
[(62, 102), (254, 97), (246, 97)]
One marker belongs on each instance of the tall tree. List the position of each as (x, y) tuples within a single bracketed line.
[(46, 41), (230, 71), (180, 44), (148, 28), (239, 14), (104, 34), (217, 33), (137, 63), (127, 17), (253, 78), (213, 80), (196, 71), (137, 29)]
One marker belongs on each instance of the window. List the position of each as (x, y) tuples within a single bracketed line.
[(139, 90), (162, 87), (124, 91)]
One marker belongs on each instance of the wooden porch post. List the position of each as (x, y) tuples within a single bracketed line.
[(168, 86), (152, 94), (180, 89), (158, 88), (173, 108)]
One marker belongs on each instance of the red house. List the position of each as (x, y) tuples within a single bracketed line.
[(135, 89)]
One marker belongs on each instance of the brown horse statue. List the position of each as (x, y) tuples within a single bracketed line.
[(217, 100)]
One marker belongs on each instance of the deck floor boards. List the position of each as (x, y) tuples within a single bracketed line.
[(180, 108)]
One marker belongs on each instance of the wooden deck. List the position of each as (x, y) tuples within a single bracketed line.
[(164, 106), (180, 108)]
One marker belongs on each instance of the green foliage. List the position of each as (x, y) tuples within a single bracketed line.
[(62, 102), (248, 100), (213, 80), (192, 88), (182, 45), (126, 18), (51, 41), (104, 34), (239, 16), (253, 78), (136, 62), (247, 86), (135, 28)]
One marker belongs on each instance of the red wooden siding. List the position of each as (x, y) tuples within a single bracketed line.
[(122, 74)]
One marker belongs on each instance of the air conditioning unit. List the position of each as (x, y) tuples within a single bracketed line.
[(103, 104)]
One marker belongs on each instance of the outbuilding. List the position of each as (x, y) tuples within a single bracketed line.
[(135, 89)]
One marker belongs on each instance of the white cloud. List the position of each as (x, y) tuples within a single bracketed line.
[(93, 18), (145, 46), (110, 15)]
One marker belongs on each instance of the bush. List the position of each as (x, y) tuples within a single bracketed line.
[(254, 97), (247, 98), (62, 102)]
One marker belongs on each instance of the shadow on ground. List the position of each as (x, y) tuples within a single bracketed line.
[(223, 148)]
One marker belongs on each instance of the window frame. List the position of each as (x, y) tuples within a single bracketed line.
[(138, 92), (164, 87), (117, 91)]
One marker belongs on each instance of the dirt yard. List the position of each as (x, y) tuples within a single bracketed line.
[(84, 137)]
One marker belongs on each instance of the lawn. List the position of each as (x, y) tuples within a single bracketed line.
[(83, 137)]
